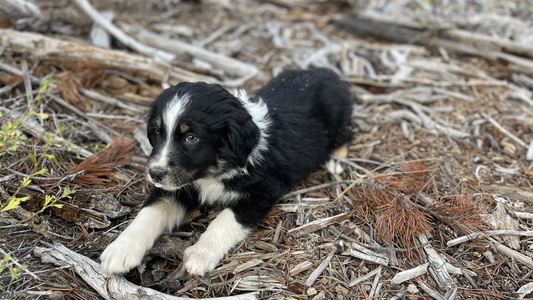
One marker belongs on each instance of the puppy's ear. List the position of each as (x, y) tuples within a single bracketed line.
[(242, 136)]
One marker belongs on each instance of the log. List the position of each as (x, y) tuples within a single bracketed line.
[(109, 287), (80, 54), (381, 26)]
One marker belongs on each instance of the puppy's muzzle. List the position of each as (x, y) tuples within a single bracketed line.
[(157, 173)]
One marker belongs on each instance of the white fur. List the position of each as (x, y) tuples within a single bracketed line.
[(334, 167), (128, 250), (212, 191), (171, 114), (259, 112), (221, 235)]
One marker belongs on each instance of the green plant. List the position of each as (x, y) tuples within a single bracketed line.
[(7, 263), (12, 137)]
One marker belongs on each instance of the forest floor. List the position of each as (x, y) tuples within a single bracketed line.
[(436, 198)]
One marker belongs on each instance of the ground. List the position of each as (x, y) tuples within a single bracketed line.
[(441, 149)]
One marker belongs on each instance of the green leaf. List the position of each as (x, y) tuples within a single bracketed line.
[(14, 202), (49, 156), (25, 182), (33, 158), (67, 192), (40, 172)]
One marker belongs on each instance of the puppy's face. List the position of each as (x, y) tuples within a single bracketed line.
[(195, 132)]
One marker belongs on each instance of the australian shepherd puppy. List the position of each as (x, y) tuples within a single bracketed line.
[(213, 147)]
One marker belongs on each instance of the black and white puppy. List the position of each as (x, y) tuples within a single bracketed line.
[(212, 147)]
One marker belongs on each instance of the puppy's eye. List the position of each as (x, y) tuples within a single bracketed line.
[(156, 130), (191, 139)]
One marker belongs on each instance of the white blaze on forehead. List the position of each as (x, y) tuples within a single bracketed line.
[(171, 115), (259, 112)]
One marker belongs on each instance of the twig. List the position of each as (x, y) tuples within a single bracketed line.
[(314, 276), (109, 287), (525, 290), (317, 225), (316, 187), (98, 36), (410, 274), (434, 294), (365, 277), (363, 253), (477, 235), (438, 265), (526, 260), (113, 101), (504, 131), (87, 8), (19, 8), (226, 63), (32, 127), (13, 260)]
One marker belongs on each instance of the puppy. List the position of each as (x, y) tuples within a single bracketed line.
[(212, 147)]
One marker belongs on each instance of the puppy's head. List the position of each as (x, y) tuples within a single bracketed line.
[(197, 130)]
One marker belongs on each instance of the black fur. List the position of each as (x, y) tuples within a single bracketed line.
[(310, 113)]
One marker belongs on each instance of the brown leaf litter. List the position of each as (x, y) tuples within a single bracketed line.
[(437, 182)]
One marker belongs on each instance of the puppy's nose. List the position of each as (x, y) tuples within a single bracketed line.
[(157, 173)]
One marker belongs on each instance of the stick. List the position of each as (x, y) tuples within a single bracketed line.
[(228, 64), (477, 235), (410, 274), (317, 225), (98, 36), (109, 287), (314, 276), (438, 265), (363, 253), (106, 24), (19, 265), (505, 131), (19, 8), (365, 277)]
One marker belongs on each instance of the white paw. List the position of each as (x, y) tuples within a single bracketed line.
[(334, 167), (200, 260), (122, 255)]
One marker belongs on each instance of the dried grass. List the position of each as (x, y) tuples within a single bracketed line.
[(98, 169)]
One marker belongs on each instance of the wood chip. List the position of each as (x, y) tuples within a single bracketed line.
[(317, 225)]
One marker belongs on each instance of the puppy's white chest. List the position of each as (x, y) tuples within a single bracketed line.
[(212, 191)]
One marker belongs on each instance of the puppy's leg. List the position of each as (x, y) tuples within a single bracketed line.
[(221, 235), (128, 250), (334, 166)]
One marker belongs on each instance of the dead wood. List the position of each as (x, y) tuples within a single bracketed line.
[(75, 54), (19, 9), (377, 25), (105, 23), (109, 287), (229, 65)]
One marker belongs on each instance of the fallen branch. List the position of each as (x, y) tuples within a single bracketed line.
[(228, 64), (75, 54), (106, 24), (392, 28), (109, 287)]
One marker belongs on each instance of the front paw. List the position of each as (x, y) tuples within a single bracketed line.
[(121, 256), (200, 260)]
